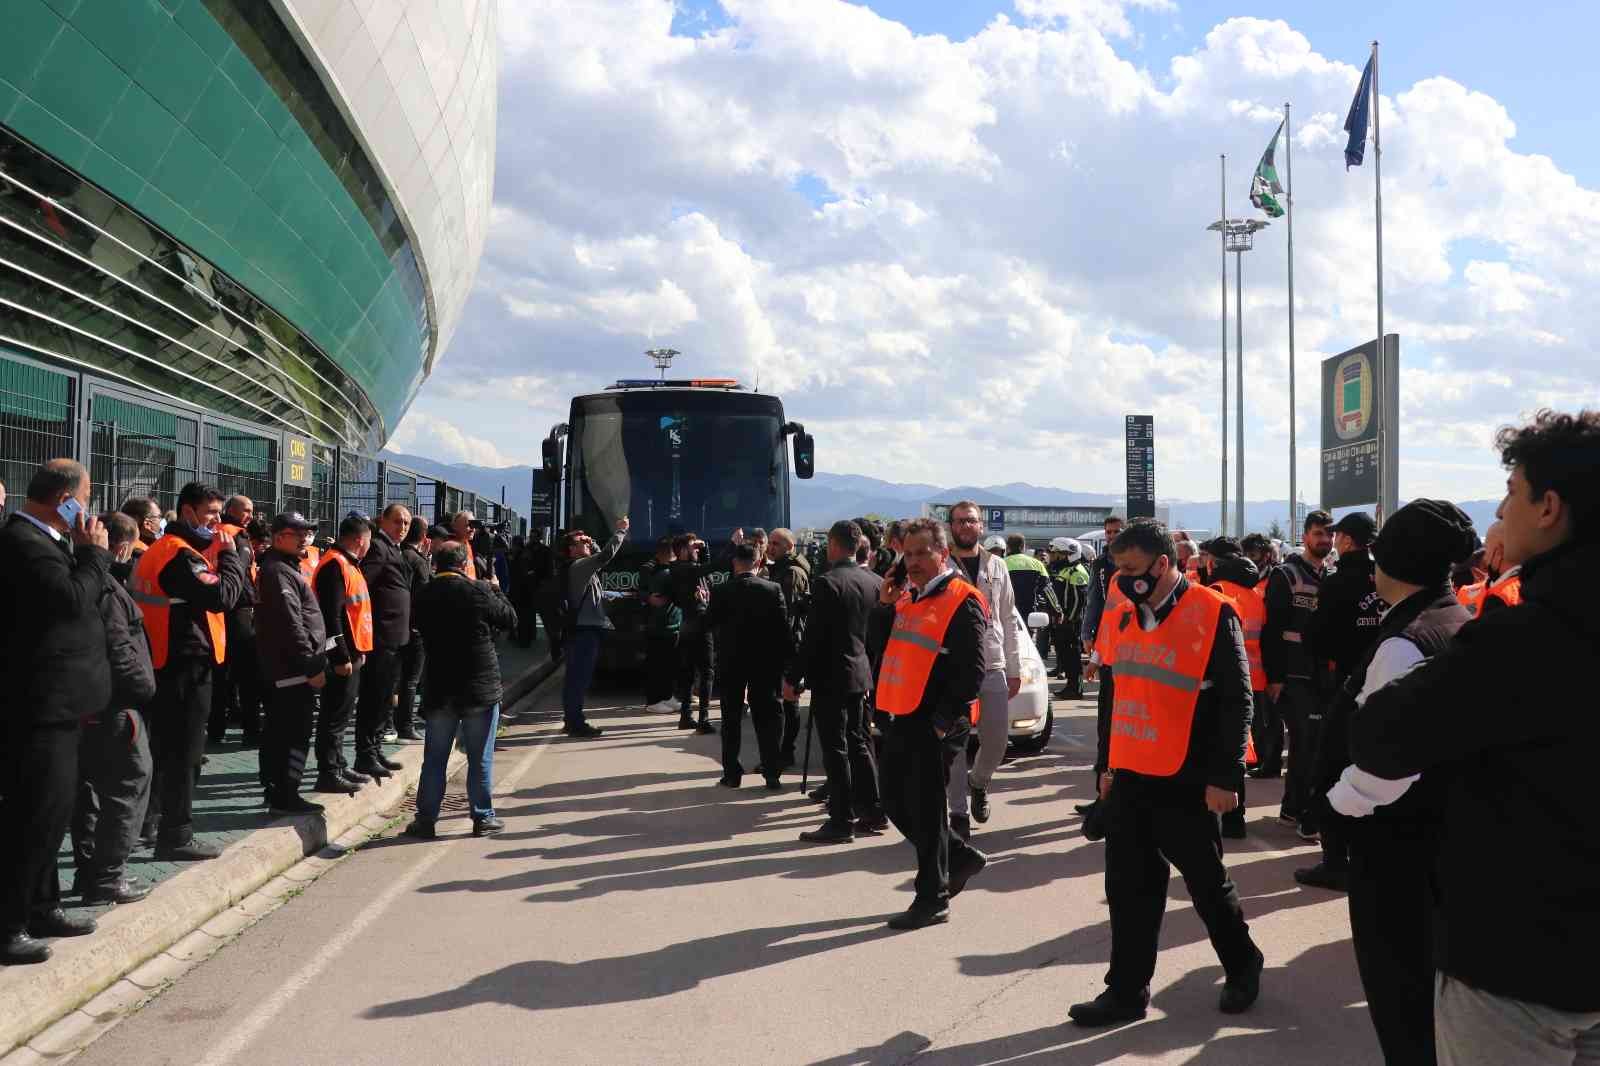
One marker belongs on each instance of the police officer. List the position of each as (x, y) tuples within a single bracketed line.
[(930, 630), (347, 616), (1070, 580), (1176, 757), (185, 589), (1296, 679), (291, 642)]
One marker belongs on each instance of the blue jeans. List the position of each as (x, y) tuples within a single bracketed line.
[(583, 655), (477, 728)]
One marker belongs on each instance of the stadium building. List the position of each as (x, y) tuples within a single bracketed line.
[(235, 238)]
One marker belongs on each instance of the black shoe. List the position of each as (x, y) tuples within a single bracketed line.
[(408, 735), (20, 949), (774, 785), (1333, 878), (374, 770), (727, 781), (1239, 992), (915, 917), (584, 731), (969, 868), (122, 890), (357, 778), (1109, 1009), (190, 851), (961, 826), (333, 783), (1233, 830), (295, 804), (818, 794), (829, 833), (1068, 692), (487, 827), (59, 923), (1261, 773), (705, 728), (980, 804), (1084, 808), (1094, 823), (686, 721), (389, 764), (872, 823), (420, 828)]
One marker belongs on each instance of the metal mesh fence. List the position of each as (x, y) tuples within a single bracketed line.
[(244, 464), (358, 485), (36, 422), (137, 449)]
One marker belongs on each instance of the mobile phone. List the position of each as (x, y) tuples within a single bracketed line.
[(69, 511)]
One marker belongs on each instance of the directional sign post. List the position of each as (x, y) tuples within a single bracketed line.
[(1141, 464)]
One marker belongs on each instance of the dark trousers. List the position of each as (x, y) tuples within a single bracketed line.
[(1105, 700), (113, 793), (1151, 826), (660, 666), (1266, 729), (177, 721), (916, 772), (696, 668), (1392, 923), (1069, 654), (583, 655), (41, 776), (791, 730), (338, 706), (380, 676), (413, 658), (761, 691), (1301, 709), (525, 622), (236, 689), (286, 740), (841, 729)]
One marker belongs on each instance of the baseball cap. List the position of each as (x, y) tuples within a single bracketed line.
[(1359, 525), (291, 520), (995, 543)]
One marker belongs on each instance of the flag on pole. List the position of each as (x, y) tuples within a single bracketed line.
[(1356, 123), (1264, 187)]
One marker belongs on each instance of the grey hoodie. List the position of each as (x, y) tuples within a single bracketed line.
[(583, 585)]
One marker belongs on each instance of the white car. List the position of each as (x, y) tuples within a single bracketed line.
[(1032, 721)]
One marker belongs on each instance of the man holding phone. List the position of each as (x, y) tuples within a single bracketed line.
[(53, 567), (589, 622)]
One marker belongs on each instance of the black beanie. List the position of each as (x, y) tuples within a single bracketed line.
[(1422, 540)]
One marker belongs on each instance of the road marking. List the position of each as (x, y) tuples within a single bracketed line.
[(245, 1033)]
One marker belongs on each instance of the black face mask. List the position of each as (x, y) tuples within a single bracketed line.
[(1139, 587)]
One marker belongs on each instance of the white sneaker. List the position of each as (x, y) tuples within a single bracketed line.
[(663, 707), (676, 704)]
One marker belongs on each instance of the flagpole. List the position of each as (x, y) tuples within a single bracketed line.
[(1222, 525), (1380, 404), (1238, 414), (1288, 169)]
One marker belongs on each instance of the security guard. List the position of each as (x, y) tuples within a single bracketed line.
[(347, 615), (183, 596), (1176, 757), (931, 640), (1230, 573)]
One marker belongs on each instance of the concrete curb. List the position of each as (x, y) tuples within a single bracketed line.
[(142, 936)]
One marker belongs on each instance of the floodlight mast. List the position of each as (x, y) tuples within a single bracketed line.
[(662, 357)]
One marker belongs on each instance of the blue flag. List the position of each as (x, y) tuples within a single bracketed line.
[(1356, 124)]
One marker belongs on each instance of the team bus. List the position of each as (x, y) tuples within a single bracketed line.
[(701, 455)]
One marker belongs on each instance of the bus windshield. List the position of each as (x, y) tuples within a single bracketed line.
[(677, 462)]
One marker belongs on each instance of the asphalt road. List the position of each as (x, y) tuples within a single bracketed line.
[(633, 912)]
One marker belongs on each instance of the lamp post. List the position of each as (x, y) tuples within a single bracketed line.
[(1238, 237)]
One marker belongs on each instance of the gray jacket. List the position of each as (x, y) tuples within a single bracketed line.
[(583, 585), (1000, 639)]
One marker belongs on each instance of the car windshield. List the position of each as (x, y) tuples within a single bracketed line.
[(676, 465)]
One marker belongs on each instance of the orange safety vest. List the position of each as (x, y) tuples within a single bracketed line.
[(213, 552), (1470, 596), (1252, 611), (915, 644), (308, 564), (1508, 592), (156, 606), (1159, 675), (357, 603)]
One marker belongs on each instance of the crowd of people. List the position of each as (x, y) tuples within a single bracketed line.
[(133, 638)]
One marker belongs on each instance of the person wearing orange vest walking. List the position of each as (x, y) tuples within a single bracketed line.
[(347, 615), (1230, 573), (928, 637), (184, 589), (1176, 757)]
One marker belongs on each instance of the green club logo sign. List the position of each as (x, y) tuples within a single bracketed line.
[(1352, 396)]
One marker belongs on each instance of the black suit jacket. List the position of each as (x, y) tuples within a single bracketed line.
[(752, 626), (53, 646), (389, 585), (833, 660)]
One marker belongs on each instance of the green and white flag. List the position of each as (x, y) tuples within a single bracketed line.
[(1264, 187)]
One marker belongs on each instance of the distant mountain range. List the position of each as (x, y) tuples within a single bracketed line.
[(826, 498)]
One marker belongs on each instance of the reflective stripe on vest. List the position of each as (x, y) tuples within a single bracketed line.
[(1159, 678), (357, 604), (1508, 591), (1252, 613), (155, 606), (915, 644)]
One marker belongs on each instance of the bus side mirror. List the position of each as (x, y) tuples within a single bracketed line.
[(805, 456), (551, 459)]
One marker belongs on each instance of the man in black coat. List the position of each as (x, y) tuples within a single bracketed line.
[(114, 752), (832, 662), (291, 641), (389, 585), (233, 683), (53, 563), (416, 552), (752, 626)]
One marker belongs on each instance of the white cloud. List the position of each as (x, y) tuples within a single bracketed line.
[(1015, 254), (437, 438)]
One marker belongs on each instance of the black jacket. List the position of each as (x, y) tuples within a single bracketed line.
[(389, 585), (53, 648), (201, 590), (242, 619), (457, 618), (957, 671), (792, 574), (1348, 613), (133, 676), (832, 659), (291, 639), (1508, 713), (1293, 590), (419, 571), (752, 626)]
